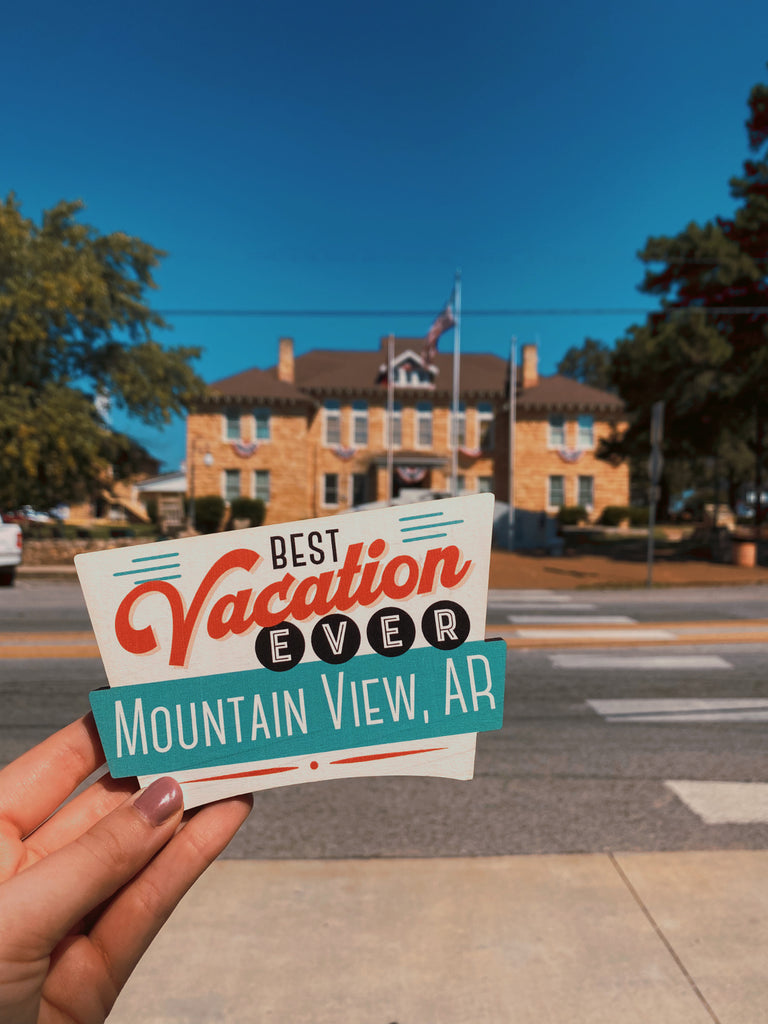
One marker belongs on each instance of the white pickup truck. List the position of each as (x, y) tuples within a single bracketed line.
[(10, 551)]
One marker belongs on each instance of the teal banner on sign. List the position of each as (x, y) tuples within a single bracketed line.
[(259, 715)]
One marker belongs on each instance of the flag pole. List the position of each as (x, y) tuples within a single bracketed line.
[(512, 425), (455, 399), (390, 413)]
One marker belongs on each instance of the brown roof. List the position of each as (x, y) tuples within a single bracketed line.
[(340, 371), (327, 371), (258, 384), (558, 392)]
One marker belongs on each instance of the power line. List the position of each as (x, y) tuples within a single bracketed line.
[(430, 313)]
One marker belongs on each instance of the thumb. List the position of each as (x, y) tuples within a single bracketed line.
[(44, 902)]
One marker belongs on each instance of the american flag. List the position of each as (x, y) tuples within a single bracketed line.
[(442, 323)]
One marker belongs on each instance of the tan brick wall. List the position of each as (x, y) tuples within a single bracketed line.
[(285, 455), (297, 458), (536, 461)]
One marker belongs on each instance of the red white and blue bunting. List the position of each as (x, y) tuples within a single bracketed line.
[(471, 453), (245, 448), (570, 454), (344, 453), (411, 474)]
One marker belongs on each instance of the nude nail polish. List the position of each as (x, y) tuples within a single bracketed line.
[(160, 801)]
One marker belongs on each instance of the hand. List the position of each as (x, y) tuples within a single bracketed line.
[(84, 888)]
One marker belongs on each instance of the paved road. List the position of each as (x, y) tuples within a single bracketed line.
[(568, 773), (606, 752)]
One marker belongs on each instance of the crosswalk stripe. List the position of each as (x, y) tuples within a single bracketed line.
[(651, 662), (580, 633), (504, 596), (547, 606), (678, 709), (724, 803), (587, 620)]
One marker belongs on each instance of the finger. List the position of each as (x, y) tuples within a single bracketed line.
[(77, 816), (52, 896), (135, 916), (34, 785)]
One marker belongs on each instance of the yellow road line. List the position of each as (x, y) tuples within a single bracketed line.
[(48, 645), (628, 635)]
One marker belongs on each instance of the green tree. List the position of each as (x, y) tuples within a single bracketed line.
[(704, 351), (75, 326), (590, 364)]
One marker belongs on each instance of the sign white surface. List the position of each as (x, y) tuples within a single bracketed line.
[(310, 600)]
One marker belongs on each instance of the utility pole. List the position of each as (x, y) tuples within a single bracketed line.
[(654, 472)]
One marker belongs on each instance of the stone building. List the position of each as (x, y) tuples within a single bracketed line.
[(309, 435)]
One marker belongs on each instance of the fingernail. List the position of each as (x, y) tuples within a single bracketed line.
[(160, 801)]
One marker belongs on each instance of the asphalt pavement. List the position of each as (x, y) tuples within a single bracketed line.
[(616, 936)]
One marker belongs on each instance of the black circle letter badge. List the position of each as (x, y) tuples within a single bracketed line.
[(280, 647), (335, 639), (391, 632), (445, 625)]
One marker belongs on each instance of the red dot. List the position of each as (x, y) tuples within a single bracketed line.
[(314, 765)]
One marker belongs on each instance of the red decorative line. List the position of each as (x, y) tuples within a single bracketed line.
[(380, 757), (248, 775)]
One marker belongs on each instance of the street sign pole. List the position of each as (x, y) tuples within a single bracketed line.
[(654, 472)]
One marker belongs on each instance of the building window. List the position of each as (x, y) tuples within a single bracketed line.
[(461, 483), (586, 496), (261, 484), (332, 421), (359, 488), (586, 435), (423, 424), (330, 488), (485, 484), (556, 492), (557, 431), (360, 423), (231, 484), (460, 426), (397, 426), (261, 419), (232, 426), (485, 431)]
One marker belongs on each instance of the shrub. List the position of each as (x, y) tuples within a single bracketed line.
[(638, 515), (209, 512), (612, 515), (252, 509), (572, 515)]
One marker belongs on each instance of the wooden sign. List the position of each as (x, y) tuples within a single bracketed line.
[(321, 649)]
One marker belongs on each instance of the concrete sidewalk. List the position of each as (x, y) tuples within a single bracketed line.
[(659, 938)]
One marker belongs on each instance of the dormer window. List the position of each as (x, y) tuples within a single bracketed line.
[(409, 371)]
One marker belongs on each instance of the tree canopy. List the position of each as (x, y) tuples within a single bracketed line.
[(589, 364), (76, 330), (704, 352)]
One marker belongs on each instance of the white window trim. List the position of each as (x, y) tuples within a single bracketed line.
[(225, 428), (481, 416), (268, 411), (397, 417), (362, 414), (224, 484), (591, 443), (428, 416), (549, 505), (589, 505), (269, 484), (555, 445), (323, 502), (334, 414)]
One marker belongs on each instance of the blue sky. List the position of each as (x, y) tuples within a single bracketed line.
[(352, 156)]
